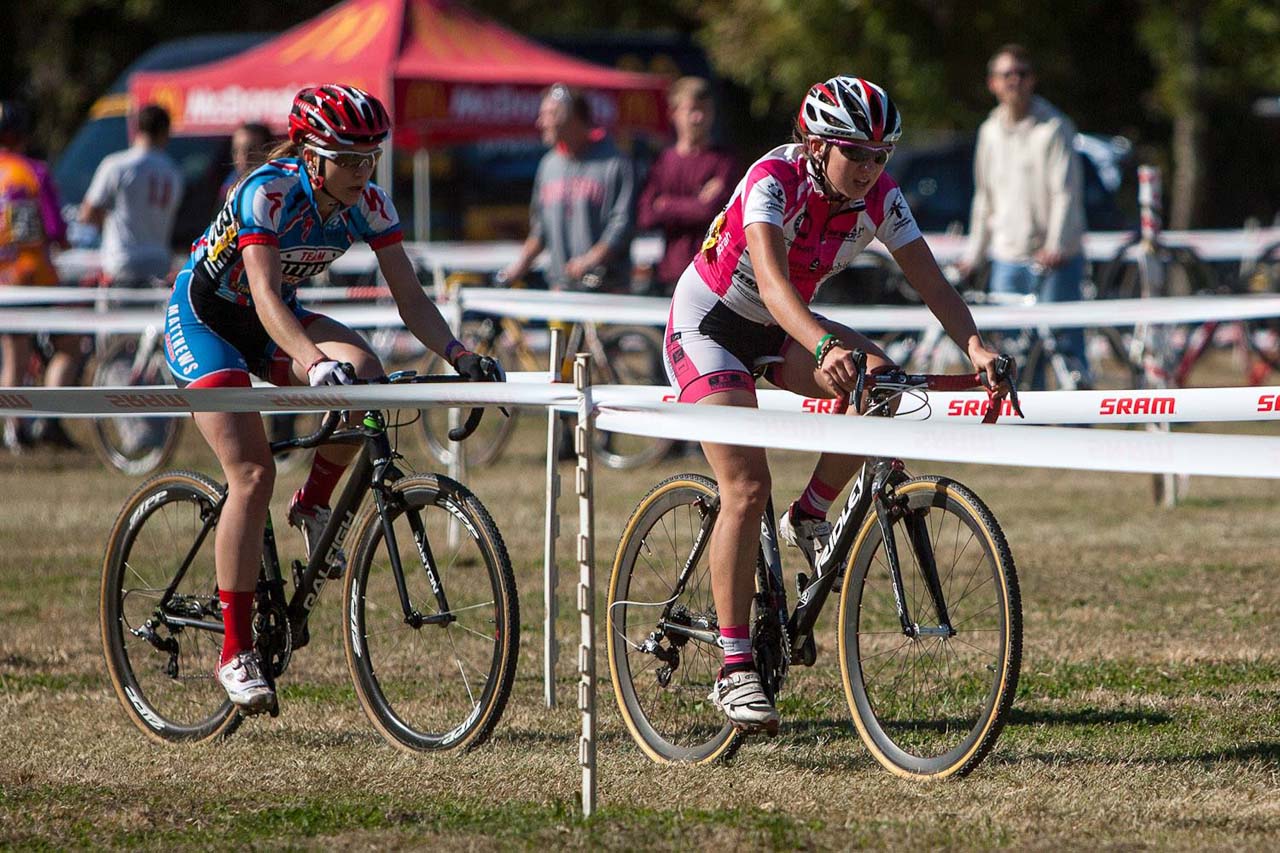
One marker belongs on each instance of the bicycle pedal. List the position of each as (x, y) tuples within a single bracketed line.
[(802, 583), (274, 708)]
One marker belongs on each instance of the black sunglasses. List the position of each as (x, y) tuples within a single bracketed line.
[(865, 154)]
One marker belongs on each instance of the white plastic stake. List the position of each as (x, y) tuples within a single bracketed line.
[(550, 573), (586, 583)]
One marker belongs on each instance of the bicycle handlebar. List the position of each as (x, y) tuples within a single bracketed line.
[(333, 418), (1006, 372)]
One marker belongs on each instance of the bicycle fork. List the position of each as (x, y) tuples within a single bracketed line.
[(890, 508)]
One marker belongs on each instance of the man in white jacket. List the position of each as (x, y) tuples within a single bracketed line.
[(1028, 201)]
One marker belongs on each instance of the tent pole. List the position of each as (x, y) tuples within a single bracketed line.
[(422, 195)]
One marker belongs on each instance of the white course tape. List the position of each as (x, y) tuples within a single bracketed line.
[(18, 295), (653, 311), (534, 389), (487, 257), (1053, 447), (1048, 447), (165, 400), (650, 310), (1181, 405)]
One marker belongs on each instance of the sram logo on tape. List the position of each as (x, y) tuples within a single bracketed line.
[(1266, 403), (150, 400), (332, 401), (976, 408), (1142, 405), (14, 401), (820, 405)]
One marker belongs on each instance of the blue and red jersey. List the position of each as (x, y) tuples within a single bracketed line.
[(276, 205)]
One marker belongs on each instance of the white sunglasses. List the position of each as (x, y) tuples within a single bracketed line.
[(351, 160)]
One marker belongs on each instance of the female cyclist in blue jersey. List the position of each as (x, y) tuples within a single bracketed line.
[(801, 214), (235, 312)]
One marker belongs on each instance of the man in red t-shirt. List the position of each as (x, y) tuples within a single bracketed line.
[(689, 183)]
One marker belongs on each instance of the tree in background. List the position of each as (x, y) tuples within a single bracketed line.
[(1211, 57)]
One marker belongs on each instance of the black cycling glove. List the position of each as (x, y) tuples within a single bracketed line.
[(477, 368)]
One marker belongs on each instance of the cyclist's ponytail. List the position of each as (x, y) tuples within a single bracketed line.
[(816, 167), (285, 148)]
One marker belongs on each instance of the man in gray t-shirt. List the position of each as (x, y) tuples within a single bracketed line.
[(133, 198), (583, 204)]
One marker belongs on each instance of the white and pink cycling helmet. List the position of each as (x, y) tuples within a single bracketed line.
[(849, 109)]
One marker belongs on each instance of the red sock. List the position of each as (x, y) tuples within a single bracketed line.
[(321, 481), (817, 498), (237, 623), (736, 642)]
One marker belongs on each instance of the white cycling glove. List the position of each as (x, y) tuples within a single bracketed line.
[(329, 372)]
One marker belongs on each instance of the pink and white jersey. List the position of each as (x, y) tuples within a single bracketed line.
[(820, 241)]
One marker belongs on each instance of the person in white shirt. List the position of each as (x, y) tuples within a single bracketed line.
[(1028, 200), (134, 198)]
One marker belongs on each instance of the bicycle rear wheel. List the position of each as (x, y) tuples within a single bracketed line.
[(137, 445), (633, 356), (932, 704), (662, 680), (442, 683), (163, 671)]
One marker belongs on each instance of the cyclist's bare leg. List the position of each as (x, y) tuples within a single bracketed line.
[(15, 354), (239, 441), (798, 374), (743, 476), (338, 342), (68, 360)]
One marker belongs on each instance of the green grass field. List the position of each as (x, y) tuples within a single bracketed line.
[(1148, 713)]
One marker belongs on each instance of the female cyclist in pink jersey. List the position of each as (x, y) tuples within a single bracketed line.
[(234, 311), (801, 214)]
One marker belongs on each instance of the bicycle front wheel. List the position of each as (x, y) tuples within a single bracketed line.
[(930, 701), (162, 650), (662, 678), (133, 445), (432, 670)]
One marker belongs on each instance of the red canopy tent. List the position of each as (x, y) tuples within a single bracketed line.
[(447, 75)]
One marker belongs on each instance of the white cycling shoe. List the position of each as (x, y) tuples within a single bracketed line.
[(242, 678), (810, 535), (741, 697)]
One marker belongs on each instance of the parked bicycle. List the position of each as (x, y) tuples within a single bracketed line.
[(431, 618), (929, 627)]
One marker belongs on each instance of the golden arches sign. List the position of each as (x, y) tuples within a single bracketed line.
[(339, 38), (169, 97), (425, 100)]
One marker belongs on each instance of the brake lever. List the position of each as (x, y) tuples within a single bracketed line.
[(860, 363), (1006, 371)]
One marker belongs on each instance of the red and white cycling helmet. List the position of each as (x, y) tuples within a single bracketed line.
[(849, 109), (334, 114)]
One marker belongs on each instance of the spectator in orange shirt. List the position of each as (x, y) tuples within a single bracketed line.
[(30, 226)]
